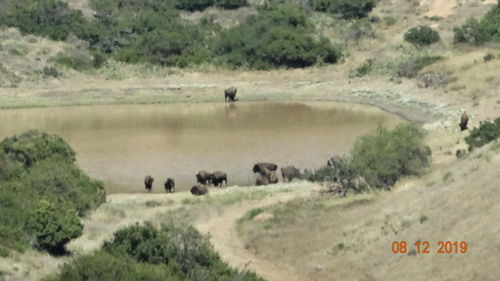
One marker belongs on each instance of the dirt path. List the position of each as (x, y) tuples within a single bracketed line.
[(440, 8), (223, 236)]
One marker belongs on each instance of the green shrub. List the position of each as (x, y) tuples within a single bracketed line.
[(230, 4), (347, 8), (421, 35), (278, 37), (50, 71), (54, 226), (384, 157), (143, 252), (103, 266), (480, 31), (362, 69), (33, 146), (390, 20), (487, 132), (37, 166), (52, 18), (488, 57), (193, 5), (76, 60)]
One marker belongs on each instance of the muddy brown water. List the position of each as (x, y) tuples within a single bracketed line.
[(121, 144)]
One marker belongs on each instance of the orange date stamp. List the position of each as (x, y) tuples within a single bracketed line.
[(424, 247)]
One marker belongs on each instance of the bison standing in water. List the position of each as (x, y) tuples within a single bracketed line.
[(218, 178), (199, 189), (266, 173), (169, 185), (148, 183), (230, 94)]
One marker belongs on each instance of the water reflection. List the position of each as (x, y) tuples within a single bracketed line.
[(122, 144)]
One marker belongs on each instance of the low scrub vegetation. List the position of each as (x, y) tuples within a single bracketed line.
[(421, 36), (386, 156), (153, 32), (377, 160), (481, 31), (277, 37), (487, 132), (41, 184), (143, 252), (346, 8)]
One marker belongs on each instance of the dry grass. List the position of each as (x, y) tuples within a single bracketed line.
[(350, 239)]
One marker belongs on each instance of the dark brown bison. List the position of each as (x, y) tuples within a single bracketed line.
[(230, 94), (219, 178), (266, 173), (169, 185), (460, 153), (148, 182), (464, 119), (289, 173), (199, 190), (261, 167), (204, 177)]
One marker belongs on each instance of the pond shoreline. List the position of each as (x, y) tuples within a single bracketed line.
[(396, 103)]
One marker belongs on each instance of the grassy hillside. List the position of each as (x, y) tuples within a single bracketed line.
[(350, 239), (289, 231)]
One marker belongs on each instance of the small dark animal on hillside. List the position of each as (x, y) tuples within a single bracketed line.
[(289, 173), (169, 185), (461, 153), (148, 183), (230, 94), (204, 177), (199, 190), (464, 119), (219, 178)]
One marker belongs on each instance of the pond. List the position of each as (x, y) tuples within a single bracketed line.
[(121, 144)]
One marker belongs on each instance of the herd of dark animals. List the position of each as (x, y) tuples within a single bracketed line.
[(265, 175), (265, 172)]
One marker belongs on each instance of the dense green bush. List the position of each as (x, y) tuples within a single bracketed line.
[(153, 32), (52, 18), (480, 31), (54, 226), (347, 8), (384, 157), (34, 146), (230, 4), (194, 5), (36, 166), (421, 35), (278, 37), (143, 252), (487, 131)]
